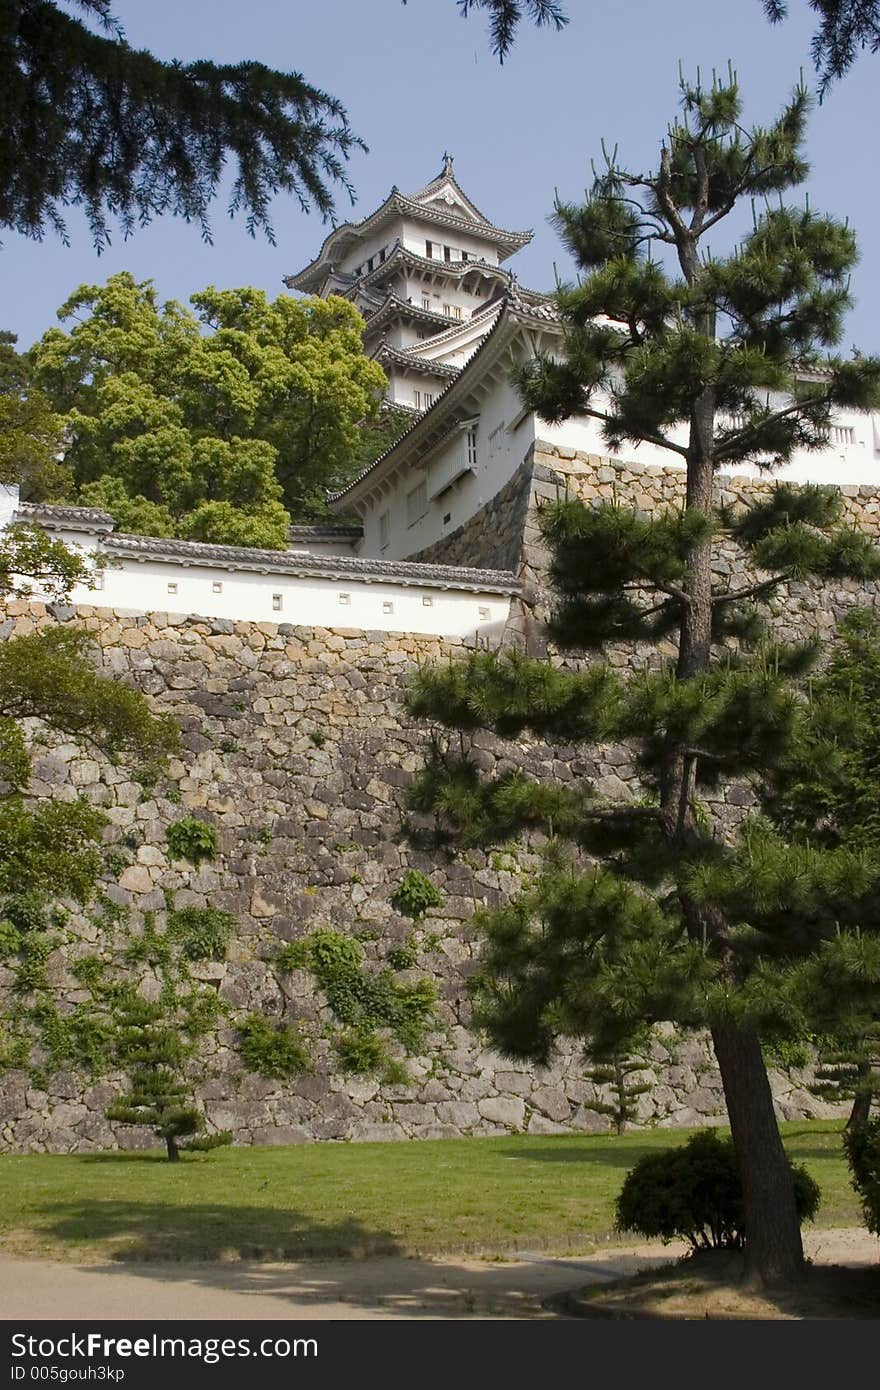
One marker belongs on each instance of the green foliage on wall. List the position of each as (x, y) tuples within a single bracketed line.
[(203, 932), (192, 839), (364, 1001), (415, 894), (272, 1049)]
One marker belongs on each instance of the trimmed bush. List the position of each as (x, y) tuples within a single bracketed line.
[(694, 1193), (862, 1145)]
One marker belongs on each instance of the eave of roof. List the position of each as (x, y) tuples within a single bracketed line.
[(515, 310), (59, 516), (301, 565), (398, 205)]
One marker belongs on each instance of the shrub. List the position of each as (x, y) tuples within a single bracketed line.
[(862, 1145), (204, 932), (192, 839), (415, 895), (272, 1049), (694, 1193)]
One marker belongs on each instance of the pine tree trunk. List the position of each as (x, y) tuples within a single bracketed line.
[(861, 1106), (774, 1250)]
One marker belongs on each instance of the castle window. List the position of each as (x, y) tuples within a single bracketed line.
[(277, 603), (172, 588), (217, 587), (384, 528), (472, 448), (843, 434), (416, 503)]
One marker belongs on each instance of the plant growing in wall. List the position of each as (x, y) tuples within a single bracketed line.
[(203, 932), (272, 1048), (415, 894), (366, 1002), (192, 839)]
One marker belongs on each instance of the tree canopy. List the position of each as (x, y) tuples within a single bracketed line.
[(646, 910), (211, 424), (88, 121)]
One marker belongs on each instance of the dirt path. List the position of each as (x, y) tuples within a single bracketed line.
[(420, 1288)]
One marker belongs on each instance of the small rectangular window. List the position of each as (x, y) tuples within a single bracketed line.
[(344, 599), (172, 588), (416, 503), (217, 587), (277, 603)]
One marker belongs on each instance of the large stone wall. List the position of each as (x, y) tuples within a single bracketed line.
[(296, 748)]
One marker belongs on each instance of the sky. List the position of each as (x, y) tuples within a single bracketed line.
[(419, 80)]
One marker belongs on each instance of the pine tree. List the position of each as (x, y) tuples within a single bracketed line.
[(150, 1047), (642, 912)]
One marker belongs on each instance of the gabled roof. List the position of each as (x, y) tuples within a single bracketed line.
[(458, 213), (517, 311)]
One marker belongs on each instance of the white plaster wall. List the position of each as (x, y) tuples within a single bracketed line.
[(247, 596)]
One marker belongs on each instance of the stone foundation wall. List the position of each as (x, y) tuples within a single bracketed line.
[(296, 748)]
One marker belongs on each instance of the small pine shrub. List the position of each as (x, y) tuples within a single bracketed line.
[(694, 1193), (862, 1145), (415, 895), (192, 839), (273, 1050), (203, 932)]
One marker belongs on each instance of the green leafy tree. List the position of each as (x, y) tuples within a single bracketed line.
[(148, 1045), (719, 360), (207, 425), (31, 434), (51, 849), (90, 122)]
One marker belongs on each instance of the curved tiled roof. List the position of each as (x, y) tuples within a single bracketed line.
[(60, 514), (313, 566), (398, 205), (427, 366), (516, 306)]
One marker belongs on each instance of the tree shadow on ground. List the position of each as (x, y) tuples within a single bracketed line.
[(135, 1231)]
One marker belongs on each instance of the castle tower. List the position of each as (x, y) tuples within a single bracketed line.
[(426, 271)]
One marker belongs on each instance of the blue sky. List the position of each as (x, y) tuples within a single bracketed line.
[(420, 80)]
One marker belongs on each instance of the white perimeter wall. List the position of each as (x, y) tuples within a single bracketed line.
[(155, 585)]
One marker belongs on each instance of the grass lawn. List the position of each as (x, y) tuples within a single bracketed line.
[(488, 1195)]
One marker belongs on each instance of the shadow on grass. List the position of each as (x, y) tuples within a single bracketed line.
[(135, 1231)]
